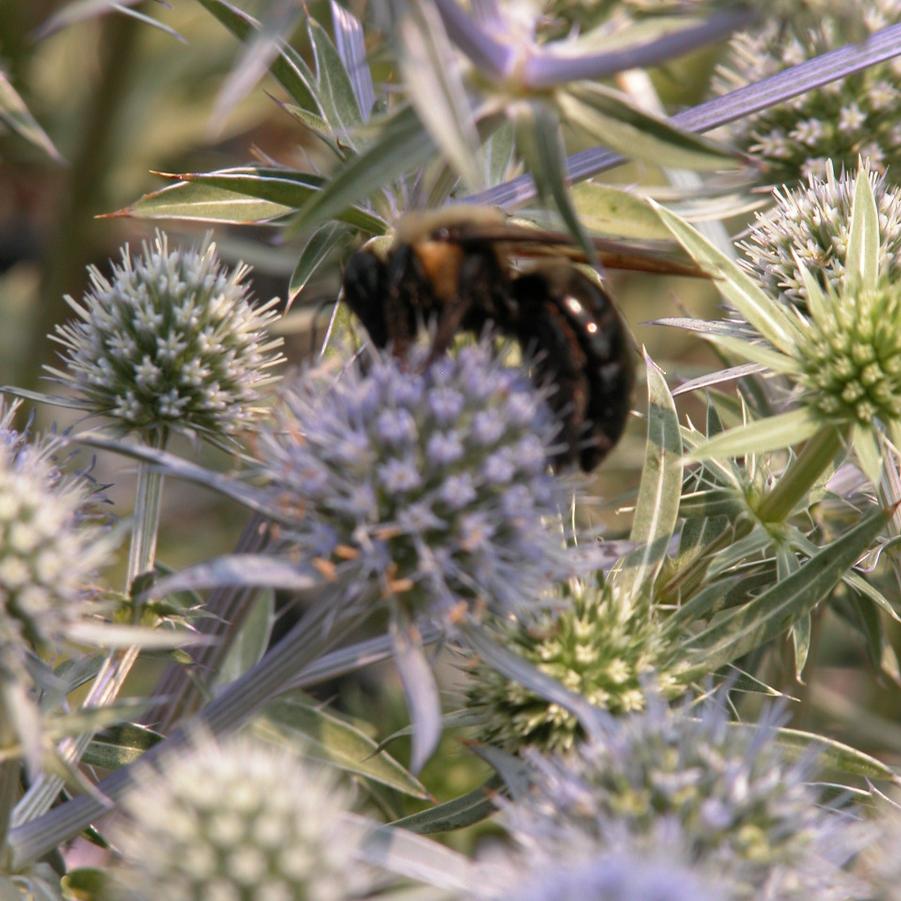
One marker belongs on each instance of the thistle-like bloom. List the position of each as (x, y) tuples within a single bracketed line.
[(855, 117), (47, 557), (626, 873), (238, 821), (841, 354), (170, 341), (427, 484), (813, 224), (743, 813), (600, 645)]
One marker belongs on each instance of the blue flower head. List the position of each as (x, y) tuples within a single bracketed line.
[(429, 482)]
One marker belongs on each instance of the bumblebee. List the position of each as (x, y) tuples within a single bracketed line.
[(468, 269)]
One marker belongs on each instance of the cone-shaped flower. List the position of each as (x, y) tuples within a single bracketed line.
[(842, 355), (239, 821), (722, 791), (812, 224), (599, 644), (425, 484), (170, 342), (842, 121)]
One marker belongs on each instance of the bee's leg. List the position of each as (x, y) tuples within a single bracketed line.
[(366, 293), (559, 362)]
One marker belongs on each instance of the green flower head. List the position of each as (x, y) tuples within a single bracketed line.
[(600, 644), (170, 341)]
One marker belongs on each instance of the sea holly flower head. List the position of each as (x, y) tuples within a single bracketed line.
[(170, 341), (239, 820), (812, 224), (855, 117), (841, 353), (48, 555), (723, 791), (602, 645), (423, 483)]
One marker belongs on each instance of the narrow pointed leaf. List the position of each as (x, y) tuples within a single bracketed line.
[(288, 67), (615, 211), (435, 89), (324, 242), (351, 46), (332, 740), (458, 813), (406, 854), (119, 745), (248, 646), (734, 283), (420, 690), (866, 449), (14, 114), (834, 755), (539, 143), (787, 564), (657, 508), (765, 617), (400, 145), (756, 353), (862, 258), (55, 400), (335, 92), (768, 434), (612, 121)]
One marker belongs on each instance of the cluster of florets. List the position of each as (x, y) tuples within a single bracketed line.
[(241, 821), (606, 648), (855, 117), (851, 354), (170, 341), (725, 791), (811, 225), (47, 555), (428, 482)]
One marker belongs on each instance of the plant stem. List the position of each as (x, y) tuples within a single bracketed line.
[(800, 477)]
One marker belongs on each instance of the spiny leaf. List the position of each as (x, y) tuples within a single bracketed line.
[(762, 435)]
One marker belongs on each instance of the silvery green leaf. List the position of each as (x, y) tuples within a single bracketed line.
[(499, 154), (289, 189), (252, 638), (420, 689), (406, 854), (80, 10), (862, 257), (245, 570), (351, 46), (15, 115), (336, 742), (787, 564), (613, 210), (277, 22), (867, 451), (764, 617), (400, 144), (334, 90), (762, 435), (288, 67), (701, 606), (748, 546), (538, 141), (757, 353), (325, 241), (735, 284), (609, 118), (435, 89), (833, 755), (719, 377), (816, 299), (119, 745), (55, 400), (657, 507), (458, 813), (113, 635)]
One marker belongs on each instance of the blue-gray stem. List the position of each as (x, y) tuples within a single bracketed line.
[(745, 101)]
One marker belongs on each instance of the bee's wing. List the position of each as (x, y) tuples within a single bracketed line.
[(660, 257)]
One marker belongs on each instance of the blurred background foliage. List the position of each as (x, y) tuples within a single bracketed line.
[(120, 99)]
